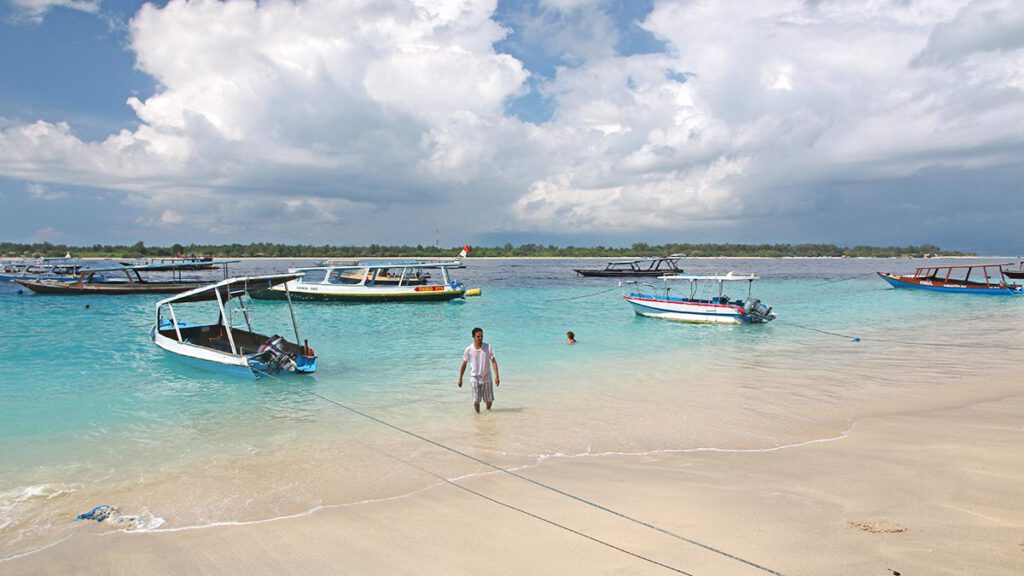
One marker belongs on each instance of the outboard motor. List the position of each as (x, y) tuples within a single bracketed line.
[(759, 312), (273, 355)]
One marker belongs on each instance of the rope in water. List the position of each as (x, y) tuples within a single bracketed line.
[(890, 341), (583, 296), (484, 496), (845, 279), (547, 486)]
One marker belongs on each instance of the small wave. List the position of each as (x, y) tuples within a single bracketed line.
[(15, 503)]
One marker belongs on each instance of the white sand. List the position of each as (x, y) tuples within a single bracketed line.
[(938, 492)]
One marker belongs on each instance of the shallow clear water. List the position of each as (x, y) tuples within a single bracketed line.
[(94, 413)]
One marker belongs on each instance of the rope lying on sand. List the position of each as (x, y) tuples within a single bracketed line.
[(552, 489)]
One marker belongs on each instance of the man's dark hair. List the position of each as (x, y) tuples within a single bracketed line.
[(475, 330)]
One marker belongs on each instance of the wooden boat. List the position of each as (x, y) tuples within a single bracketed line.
[(230, 344), (99, 280), (403, 281), (1017, 274), (990, 279), (705, 303), (63, 269), (636, 267)]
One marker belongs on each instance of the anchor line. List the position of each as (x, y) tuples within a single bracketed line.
[(844, 279), (549, 487), (535, 516), (583, 296), (890, 341), (494, 500)]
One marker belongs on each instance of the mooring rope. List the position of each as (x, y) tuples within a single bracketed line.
[(531, 514), (546, 486), (481, 495), (845, 279), (891, 341), (583, 296)]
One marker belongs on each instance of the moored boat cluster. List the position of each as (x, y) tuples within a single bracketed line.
[(231, 343)]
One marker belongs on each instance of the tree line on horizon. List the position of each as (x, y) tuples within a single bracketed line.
[(638, 249)]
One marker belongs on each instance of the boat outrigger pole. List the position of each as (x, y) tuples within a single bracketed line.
[(225, 322), (291, 310)]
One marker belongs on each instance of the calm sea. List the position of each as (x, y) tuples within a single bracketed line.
[(93, 413)]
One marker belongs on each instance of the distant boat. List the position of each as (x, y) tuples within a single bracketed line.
[(389, 281), (990, 279), (99, 280), (59, 269), (636, 267), (704, 303), (1017, 274), (230, 344)]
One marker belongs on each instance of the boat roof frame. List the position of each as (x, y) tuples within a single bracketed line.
[(964, 266), (162, 267), (263, 282), (730, 277), (419, 264)]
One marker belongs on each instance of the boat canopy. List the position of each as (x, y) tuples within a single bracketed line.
[(162, 266), (230, 288), (730, 277), (388, 264), (934, 270)]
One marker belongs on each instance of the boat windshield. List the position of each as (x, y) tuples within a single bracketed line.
[(346, 277)]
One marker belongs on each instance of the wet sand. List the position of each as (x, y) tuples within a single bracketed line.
[(929, 492)]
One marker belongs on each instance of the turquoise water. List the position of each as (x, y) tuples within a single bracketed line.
[(94, 411)]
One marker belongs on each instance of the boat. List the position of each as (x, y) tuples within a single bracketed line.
[(230, 344), (195, 262), (1017, 274), (63, 269), (100, 280), (636, 267), (391, 281), (384, 278), (704, 303), (990, 280)]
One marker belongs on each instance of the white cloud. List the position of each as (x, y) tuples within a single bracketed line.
[(784, 97), (982, 26), (48, 234), (41, 192), (35, 10), (330, 116)]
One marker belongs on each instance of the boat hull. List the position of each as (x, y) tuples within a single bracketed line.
[(680, 310), (1014, 274), (316, 293), (958, 287), (222, 362), (105, 288), (622, 273)]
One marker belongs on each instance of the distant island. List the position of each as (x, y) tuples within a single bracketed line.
[(639, 249)]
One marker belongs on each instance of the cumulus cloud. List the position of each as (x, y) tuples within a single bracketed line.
[(35, 10), (982, 26), (41, 192), (782, 100), (330, 116)]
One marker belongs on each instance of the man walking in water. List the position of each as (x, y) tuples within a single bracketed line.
[(481, 356)]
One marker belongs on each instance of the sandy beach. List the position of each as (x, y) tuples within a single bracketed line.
[(932, 492)]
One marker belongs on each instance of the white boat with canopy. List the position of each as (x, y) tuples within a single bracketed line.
[(230, 344), (704, 301), (389, 281)]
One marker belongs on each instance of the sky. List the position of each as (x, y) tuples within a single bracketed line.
[(853, 122)]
